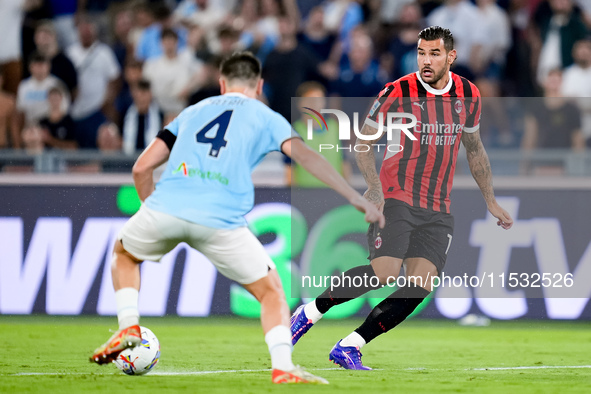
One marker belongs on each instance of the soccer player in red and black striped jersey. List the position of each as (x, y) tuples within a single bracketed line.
[(413, 191)]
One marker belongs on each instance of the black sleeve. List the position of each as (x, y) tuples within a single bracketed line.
[(168, 138), (69, 125), (64, 69), (44, 123), (73, 75), (311, 64)]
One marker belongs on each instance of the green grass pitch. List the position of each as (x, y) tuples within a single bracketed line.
[(228, 355)]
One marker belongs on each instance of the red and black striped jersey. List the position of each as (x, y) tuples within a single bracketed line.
[(421, 174)]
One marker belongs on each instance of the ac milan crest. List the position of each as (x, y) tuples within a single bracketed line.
[(458, 106), (378, 243)]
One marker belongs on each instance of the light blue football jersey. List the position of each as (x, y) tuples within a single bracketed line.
[(220, 140)]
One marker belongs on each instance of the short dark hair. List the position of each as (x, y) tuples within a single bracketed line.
[(308, 87), (37, 57), (228, 32), (432, 33), (143, 84), (161, 12), (168, 32), (241, 65)]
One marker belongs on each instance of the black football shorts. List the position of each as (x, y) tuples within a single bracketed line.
[(412, 232)]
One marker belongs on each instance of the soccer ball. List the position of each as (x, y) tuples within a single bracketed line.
[(142, 358)]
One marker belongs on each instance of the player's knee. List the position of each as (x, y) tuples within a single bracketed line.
[(263, 288), (387, 277), (277, 294), (273, 290), (275, 281), (386, 269)]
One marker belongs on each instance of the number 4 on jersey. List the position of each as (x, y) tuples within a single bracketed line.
[(217, 141)]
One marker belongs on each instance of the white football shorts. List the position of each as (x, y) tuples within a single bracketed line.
[(236, 253)]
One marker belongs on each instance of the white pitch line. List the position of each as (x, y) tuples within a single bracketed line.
[(48, 373), (155, 373), (532, 367), (197, 373), (164, 373)]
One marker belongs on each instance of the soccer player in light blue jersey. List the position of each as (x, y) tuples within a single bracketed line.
[(201, 199)]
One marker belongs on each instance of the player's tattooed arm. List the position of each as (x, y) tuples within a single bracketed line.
[(479, 165), (481, 171), (366, 162)]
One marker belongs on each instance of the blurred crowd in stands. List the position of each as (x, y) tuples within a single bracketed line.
[(109, 74)]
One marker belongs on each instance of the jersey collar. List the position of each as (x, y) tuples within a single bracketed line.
[(431, 90), (237, 94)]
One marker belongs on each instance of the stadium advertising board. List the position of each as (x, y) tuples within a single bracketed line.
[(55, 244)]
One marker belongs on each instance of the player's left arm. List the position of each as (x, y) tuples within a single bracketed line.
[(481, 171), (152, 157), (318, 166)]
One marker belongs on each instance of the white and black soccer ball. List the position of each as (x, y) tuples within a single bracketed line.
[(142, 358)]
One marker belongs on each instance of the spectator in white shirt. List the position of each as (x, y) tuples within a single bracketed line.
[(170, 75), (493, 42), (576, 79), (206, 13), (576, 82), (31, 100), (461, 17), (98, 83)]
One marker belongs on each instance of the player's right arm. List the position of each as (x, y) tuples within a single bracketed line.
[(366, 161), (152, 157), (365, 158), (318, 166)]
